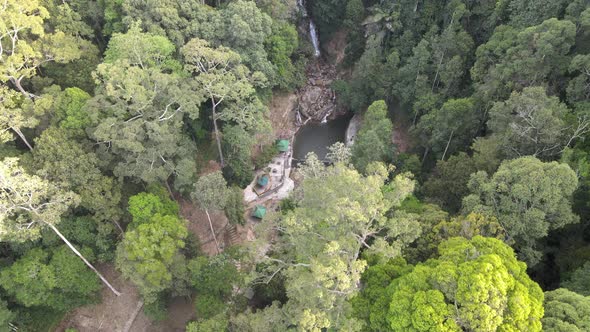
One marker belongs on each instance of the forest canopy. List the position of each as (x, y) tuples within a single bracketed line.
[(139, 165)]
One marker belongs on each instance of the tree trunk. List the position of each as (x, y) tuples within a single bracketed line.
[(217, 138), (447, 147), (105, 281), (425, 154), (20, 88), (212, 231), (22, 137)]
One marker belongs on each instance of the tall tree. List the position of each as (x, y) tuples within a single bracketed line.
[(532, 123), (336, 216), (514, 59), (29, 203), (528, 197), (211, 193), (138, 111), (373, 141), (475, 285), (566, 311), (449, 127), (221, 78), (148, 253)]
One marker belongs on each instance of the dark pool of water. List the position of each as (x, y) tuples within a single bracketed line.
[(317, 137)]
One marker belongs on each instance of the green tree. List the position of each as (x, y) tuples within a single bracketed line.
[(71, 164), (531, 123), (449, 127), (579, 281), (221, 78), (145, 205), (527, 13), (29, 203), (566, 311), (6, 316), (578, 88), (512, 60), (528, 197), (373, 141), (211, 193), (237, 145), (336, 216), (475, 285), (148, 253), (214, 279), (235, 208), (138, 111), (59, 281), (447, 184)]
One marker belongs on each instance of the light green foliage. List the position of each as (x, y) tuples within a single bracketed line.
[(475, 285), (449, 127), (373, 141), (513, 59), (25, 43), (528, 197), (73, 165), (216, 323), (139, 49), (447, 184), (28, 202), (211, 191), (69, 112), (145, 205), (339, 153), (566, 311), (148, 252), (336, 215), (579, 281), (60, 282), (137, 113), (16, 113), (530, 123)]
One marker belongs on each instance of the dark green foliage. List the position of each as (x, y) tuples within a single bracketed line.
[(579, 281), (237, 144), (265, 156), (235, 208), (447, 184)]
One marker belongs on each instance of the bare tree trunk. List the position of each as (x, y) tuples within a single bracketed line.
[(212, 231), (217, 138), (105, 281), (133, 316), (22, 137), (447, 147)]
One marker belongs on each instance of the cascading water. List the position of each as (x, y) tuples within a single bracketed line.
[(314, 38), (312, 29)]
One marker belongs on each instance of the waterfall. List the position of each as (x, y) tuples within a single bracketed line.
[(314, 38), (325, 118), (312, 29)]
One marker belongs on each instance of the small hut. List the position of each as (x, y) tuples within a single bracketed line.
[(283, 145), (262, 180), (259, 212)]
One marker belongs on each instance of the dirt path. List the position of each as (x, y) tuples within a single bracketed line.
[(112, 313)]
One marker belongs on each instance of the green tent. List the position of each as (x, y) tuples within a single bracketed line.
[(262, 180), (259, 212), (283, 145)]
